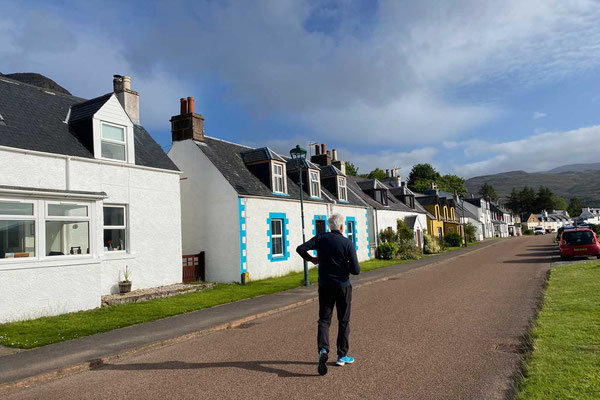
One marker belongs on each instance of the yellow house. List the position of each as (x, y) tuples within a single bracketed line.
[(441, 219)]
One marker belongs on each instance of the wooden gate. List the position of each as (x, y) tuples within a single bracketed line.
[(193, 267)]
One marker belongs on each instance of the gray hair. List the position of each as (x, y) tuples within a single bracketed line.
[(335, 221)]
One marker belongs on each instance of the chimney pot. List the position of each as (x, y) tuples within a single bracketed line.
[(323, 148), (126, 83), (387, 173), (328, 153), (334, 155), (117, 83), (316, 149), (190, 105), (183, 106)]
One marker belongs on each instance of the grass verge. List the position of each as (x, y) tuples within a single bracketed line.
[(565, 363), (47, 330)]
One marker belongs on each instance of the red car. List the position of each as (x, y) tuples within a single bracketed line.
[(579, 242)]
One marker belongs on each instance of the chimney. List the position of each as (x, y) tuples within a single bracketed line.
[(317, 149), (334, 155), (322, 158), (188, 124), (130, 100), (387, 173)]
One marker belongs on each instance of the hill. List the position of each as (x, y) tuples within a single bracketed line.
[(584, 184), (575, 168)]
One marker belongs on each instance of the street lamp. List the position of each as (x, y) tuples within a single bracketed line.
[(298, 154)]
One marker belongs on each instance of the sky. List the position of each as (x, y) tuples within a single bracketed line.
[(472, 87)]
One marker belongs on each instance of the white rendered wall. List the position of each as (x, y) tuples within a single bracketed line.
[(388, 219), (51, 286), (209, 217), (257, 212)]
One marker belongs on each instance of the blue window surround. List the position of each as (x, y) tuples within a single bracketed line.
[(368, 239), (315, 219), (281, 194), (242, 217), (286, 234), (348, 219), (343, 201)]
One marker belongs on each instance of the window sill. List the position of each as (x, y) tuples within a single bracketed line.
[(48, 262), (117, 255), (281, 194)]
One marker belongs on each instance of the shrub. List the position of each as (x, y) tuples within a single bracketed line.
[(410, 253), (453, 239), (470, 231), (387, 236), (431, 245), (527, 232), (387, 250), (405, 237)]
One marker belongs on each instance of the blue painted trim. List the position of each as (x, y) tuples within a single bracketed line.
[(348, 219), (316, 198), (314, 222), (286, 235), (242, 218), (368, 237), (343, 201), (281, 194)]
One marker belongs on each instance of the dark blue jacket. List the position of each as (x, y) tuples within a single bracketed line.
[(337, 258)]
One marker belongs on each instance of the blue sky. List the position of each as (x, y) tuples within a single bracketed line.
[(472, 87)]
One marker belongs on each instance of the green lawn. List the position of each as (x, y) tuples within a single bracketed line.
[(46, 330), (565, 363)]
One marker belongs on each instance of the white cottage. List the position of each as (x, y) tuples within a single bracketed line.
[(84, 193), (240, 205)]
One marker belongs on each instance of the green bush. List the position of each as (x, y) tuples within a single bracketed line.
[(387, 236), (431, 245), (387, 250), (410, 253), (471, 231), (527, 232), (453, 240)]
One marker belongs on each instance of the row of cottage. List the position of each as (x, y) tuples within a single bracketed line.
[(86, 193)]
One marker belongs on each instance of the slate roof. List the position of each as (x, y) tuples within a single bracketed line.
[(88, 108), (330, 170), (459, 211), (227, 158), (397, 191), (410, 221), (354, 185), (261, 154), (34, 120)]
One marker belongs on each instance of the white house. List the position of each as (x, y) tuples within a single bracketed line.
[(481, 207), (240, 205), (84, 193), (589, 215)]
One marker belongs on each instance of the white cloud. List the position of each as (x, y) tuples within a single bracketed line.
[(539, 152), (389, 159), (538, 115)]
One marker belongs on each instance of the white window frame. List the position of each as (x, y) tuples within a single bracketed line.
[(275, 177), (280, 236), (350, 233), (124, 142), (342, 189), (317, 192), (87, 219), (34, 218), (124, 227)]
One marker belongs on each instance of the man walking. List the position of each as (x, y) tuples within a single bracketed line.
[(336, 257)]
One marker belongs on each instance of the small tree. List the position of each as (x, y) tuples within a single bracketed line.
[(431, 245), (470, 232), (387, 236), (377, 173), (351, 169), (404, 235), (487, 190)]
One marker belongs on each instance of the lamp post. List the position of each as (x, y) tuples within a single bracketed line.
[(299, 154), (462, 199)]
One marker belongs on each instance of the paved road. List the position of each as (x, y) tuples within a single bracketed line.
[(446, 331)]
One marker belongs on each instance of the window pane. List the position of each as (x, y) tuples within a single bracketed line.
[(114, 216), (17, 239), (67, 238), (114, 239), (276, 227), (113, 133), (15, 208), (113, 150), (67, 210), (277, 246)]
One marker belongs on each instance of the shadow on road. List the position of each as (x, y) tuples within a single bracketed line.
[(537, 254), (258, 366)]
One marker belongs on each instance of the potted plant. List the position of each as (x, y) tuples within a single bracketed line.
[(125, 284)]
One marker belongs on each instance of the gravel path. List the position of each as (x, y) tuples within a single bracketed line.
[(446, 331)]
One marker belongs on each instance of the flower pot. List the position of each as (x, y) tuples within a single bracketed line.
[(125, 287)]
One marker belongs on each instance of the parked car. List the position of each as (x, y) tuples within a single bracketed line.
[(539, 230), (561, 230), (579, 242)]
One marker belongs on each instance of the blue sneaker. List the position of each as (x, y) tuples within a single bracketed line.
[(323, 356), (344, 360)]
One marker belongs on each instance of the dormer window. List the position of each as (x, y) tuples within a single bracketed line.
[(278, 178), (114, 142), (342, 193), (380, 197), (315, 184)]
